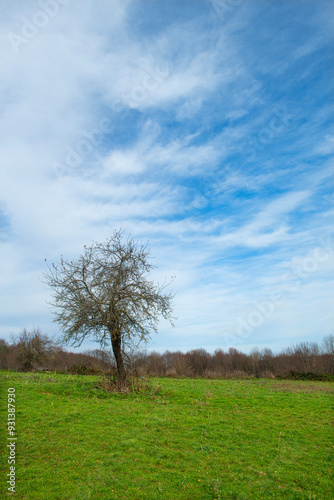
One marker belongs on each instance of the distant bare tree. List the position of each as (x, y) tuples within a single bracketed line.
[(4, 350), (328, 352), (182, 365), (32, 350), (106, 294), (237, 360), (306, 354), (198, 360), (328, 344), (155, 365), (255, 361), (101, 359)]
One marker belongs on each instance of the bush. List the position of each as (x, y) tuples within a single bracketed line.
[(83, 370), (137, 385), (307, 376), (32, 350)]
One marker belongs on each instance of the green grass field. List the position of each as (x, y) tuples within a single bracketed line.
[(193, 439)]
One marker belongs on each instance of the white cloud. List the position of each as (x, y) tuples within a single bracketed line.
[(182, 99)]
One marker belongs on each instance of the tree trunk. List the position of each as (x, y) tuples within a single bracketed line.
[(116, 347)]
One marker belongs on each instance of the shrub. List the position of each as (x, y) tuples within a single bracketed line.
[(307, 376), (137, 385), (83, 370)]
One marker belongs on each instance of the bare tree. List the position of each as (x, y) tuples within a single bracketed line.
[(306, 354), (328, 344), (199, 361), (328, 353), (33, 349), (106, 294), (4, 350)]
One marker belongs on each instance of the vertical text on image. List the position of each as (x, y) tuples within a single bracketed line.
[(11, 440)]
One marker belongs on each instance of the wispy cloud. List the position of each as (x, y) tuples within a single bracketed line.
[(203, 127)]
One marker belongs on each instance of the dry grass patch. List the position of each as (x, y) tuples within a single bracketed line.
[(306, 387)]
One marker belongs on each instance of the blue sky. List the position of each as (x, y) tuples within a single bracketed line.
[(204, 127)]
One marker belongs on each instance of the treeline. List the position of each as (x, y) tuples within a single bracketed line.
[(305, 358), (32, 351)]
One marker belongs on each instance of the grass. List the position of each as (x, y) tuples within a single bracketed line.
[(188, 439)]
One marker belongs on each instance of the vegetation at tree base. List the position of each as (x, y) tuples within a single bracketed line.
[(305, 361), (201, 439), (106, 294)]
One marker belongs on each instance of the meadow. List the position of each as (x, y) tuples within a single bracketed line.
[(183, 439)]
